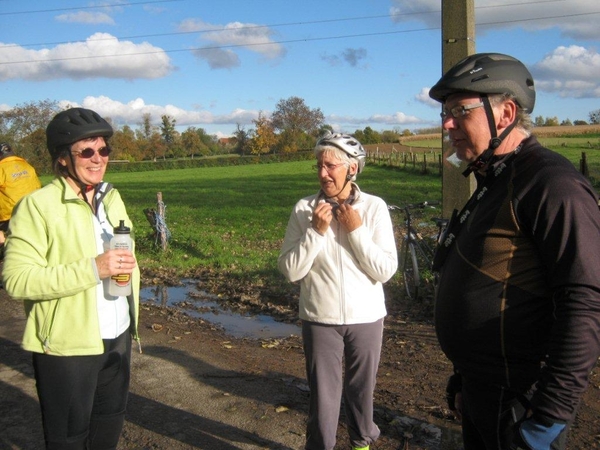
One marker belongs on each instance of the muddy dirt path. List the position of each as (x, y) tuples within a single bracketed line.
[(196, 387)]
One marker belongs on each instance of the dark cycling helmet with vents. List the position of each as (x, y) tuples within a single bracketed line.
[(488, 73), (347, 144), (72, 125)]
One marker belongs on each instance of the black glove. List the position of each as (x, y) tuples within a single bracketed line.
[(453, 387)]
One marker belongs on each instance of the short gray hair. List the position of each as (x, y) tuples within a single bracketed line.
[(524, 122)]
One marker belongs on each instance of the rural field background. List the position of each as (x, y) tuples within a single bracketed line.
[(230, 221), (423, 153), (227, 225)]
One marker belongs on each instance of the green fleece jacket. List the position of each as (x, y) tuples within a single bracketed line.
[(49, 264)]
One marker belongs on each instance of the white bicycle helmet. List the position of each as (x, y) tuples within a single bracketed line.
[(347, 144)]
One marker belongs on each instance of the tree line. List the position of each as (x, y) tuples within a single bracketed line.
[(292, 127), (24, 128)]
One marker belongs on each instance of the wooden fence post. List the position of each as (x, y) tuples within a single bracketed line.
[(583, 166), (162, 231)]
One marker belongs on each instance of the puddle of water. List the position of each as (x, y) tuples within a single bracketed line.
[(201, 304)]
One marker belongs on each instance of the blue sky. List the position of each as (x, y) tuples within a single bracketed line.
[(218, 63)]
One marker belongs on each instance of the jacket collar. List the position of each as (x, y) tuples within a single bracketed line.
[(354, 197), (70, 195)]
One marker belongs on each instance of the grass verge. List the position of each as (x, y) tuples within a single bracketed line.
[(229, 222)]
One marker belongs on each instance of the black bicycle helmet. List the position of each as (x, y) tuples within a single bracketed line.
[(72, 125), (488, 73), (347, 144)]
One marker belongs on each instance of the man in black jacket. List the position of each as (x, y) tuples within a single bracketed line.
[(518, 300)]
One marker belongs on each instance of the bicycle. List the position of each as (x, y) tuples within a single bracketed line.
[(417, 253)]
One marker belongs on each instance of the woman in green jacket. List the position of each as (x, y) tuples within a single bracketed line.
[(59, 263)]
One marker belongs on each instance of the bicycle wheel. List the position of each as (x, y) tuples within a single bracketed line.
[(410, 270)]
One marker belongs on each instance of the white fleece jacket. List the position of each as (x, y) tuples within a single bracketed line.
[(340, 273)]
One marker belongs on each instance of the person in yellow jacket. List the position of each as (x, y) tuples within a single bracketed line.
[(58, 261), (17, 179)]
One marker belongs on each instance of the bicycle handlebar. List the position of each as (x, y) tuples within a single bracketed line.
[(421, 205)]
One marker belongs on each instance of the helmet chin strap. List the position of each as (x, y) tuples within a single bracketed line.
[(348, 178), (84, 188), (495, 141)]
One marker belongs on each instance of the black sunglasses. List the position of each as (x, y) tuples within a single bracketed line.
[(87, 153)]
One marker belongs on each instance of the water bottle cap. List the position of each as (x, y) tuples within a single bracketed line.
[(121, 229)]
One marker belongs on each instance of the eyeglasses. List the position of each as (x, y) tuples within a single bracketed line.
[(328, 167), (459, 111), (87, 153)]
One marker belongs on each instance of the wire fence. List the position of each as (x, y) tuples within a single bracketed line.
[(417, 159), (429, 161)]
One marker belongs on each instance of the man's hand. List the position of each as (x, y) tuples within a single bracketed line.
[(454, 395)]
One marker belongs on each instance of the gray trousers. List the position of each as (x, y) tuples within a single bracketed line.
[(325, 347)]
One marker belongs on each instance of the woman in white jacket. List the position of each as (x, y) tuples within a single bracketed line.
[(339, 244)]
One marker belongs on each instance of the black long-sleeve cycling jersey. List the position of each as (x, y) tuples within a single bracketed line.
[(518, 299)]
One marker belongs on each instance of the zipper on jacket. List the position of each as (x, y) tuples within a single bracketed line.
[(48, 326), (341, 273), (46, 345)]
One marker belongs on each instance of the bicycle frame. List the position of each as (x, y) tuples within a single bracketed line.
[(416, 254)]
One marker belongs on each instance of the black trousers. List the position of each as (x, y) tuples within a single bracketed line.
[(490, 414), (83, 398)]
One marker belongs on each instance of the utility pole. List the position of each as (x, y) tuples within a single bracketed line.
[(458, 42)]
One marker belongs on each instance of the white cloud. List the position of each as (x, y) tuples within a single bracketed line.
[(218, 58), (575, 18), (86, 17), (426, 11), (398, 118), (423, 97), (570, 71), (252, 37), (132, 113), (100, 56)]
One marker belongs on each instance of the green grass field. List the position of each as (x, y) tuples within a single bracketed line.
[(232, 219), (571, 146)]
